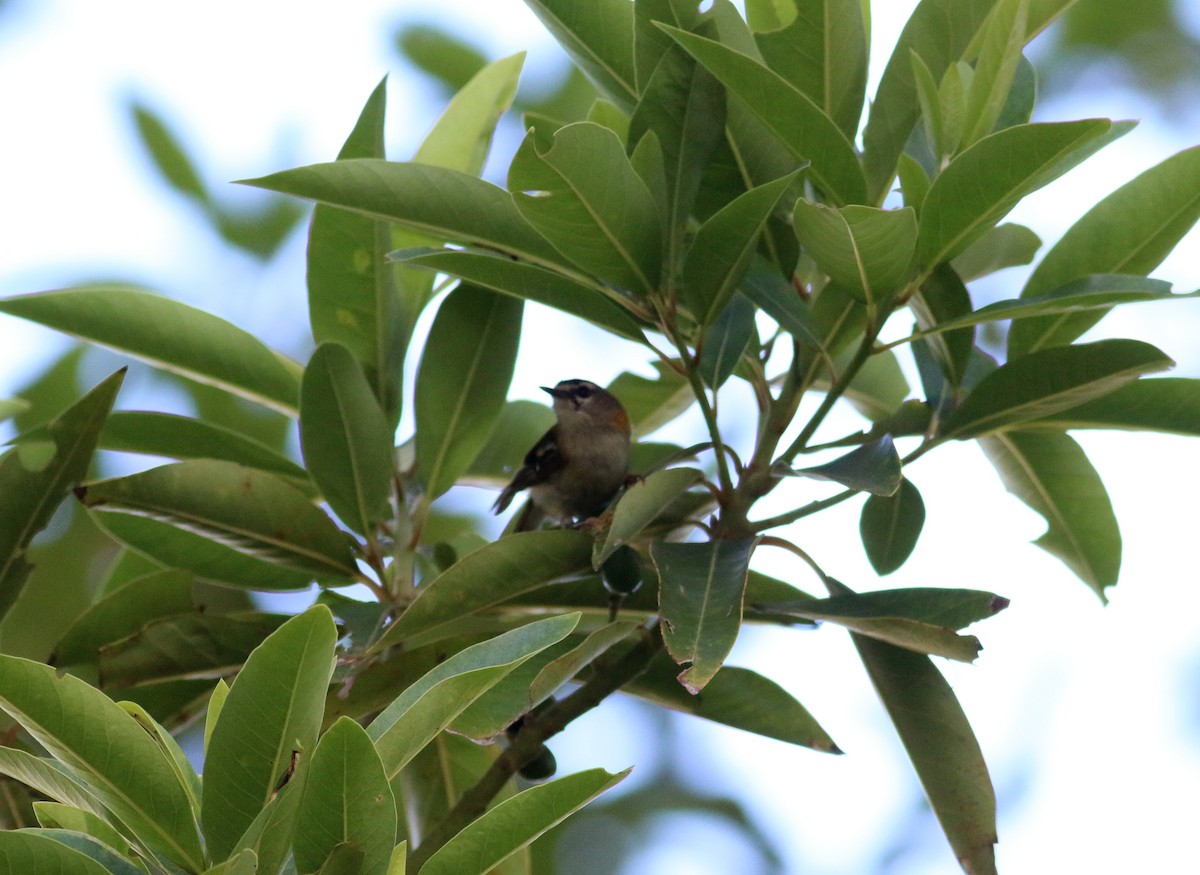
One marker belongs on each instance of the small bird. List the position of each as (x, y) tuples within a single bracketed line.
[(579, 464)]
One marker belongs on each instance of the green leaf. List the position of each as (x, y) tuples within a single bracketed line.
[(562, 668), (941, 745), (421, 198), (736, 697), (987, 180), (1002, 40), (181, 437), (252, 512), (789, 113), (174, 547), (1130, 231), (167, 334), (430, 704), (10, 407), (49, 778), (24, 852), (116, 759), (55, 816), (584, 196), (597, 36), (31, 496), (462, 381), (186, 645), (878, 390), (1041, 383), (1007, 245), (942, 299), (346, 441), (873, 467), (640, 505), (216, 703), (652, 402), (1050, 472), (724, 245), (184, 771), (528, 282), (1099, 292), (122, 612), (726, 340), (488, 576), (700, 596), (512, 824), (864, 249), (822, 50), (684, 106), (1166, 404), (168, 154), (890, 526), (520, 425), (347, 799), (273, 708)]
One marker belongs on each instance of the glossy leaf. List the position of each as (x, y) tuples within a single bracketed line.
[(28, 852), (462, 381), (736, 697), (32, 495), (941, 745), (249, 511), (421, 198), (515, 822), (640, 505), (1044, 382), (938, 32), (1007, 245), (1050, 472), (873, 467), (863, 249), (583, 195), (174, 547), (346, 440), (118, 760), (490, 575), (123, 612), (273, 708), (822, 50), (789, 113), (724, 245), (181, 437), (430, 704), (726, 340), (597, 36), (167, 334), (47, 777), (890, 526), (528, 282), (1166, 404), (185, 646), (700, 597), (1130, 231), (347, 800), (987, 180)]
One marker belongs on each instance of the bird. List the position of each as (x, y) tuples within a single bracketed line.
[(577, 467)]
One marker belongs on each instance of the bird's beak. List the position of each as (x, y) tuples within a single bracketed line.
[(554, 392)]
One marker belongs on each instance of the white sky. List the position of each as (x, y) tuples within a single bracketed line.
[(1088, 716)]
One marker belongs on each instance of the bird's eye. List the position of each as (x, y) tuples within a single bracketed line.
[(583, 391)]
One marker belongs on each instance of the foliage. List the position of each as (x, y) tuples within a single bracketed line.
[(711, 210)]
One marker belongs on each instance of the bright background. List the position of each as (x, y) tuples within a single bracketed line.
[(1089, 716)]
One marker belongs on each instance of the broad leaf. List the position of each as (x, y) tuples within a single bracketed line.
[(248, 511), (271, 716), (347, 799), (1041, 383), (700, 597), (1050, 473), (492, 574), (32, 852), (640, 505), (987, 180), (462, 381), (1167, 404), (890, 526), (32, 493), (865, 250), (726, 340), (1000, 247), (995, 69), (120, 763), (584, 197), (167, 334), (652, 402), (1131, 231), (346, 440), (515, 822), (49, 778), (873, 467), (789, 113), (597, 36)]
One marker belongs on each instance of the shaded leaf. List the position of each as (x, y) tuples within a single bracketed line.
[(700, 597), (639, 506), (873, 467), (1007, 245), (890, 525), (1166, 404), (652, 402), (597, 37), (29, 852), (519, 426), (167, 334), (864, 249), (726, 341)]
